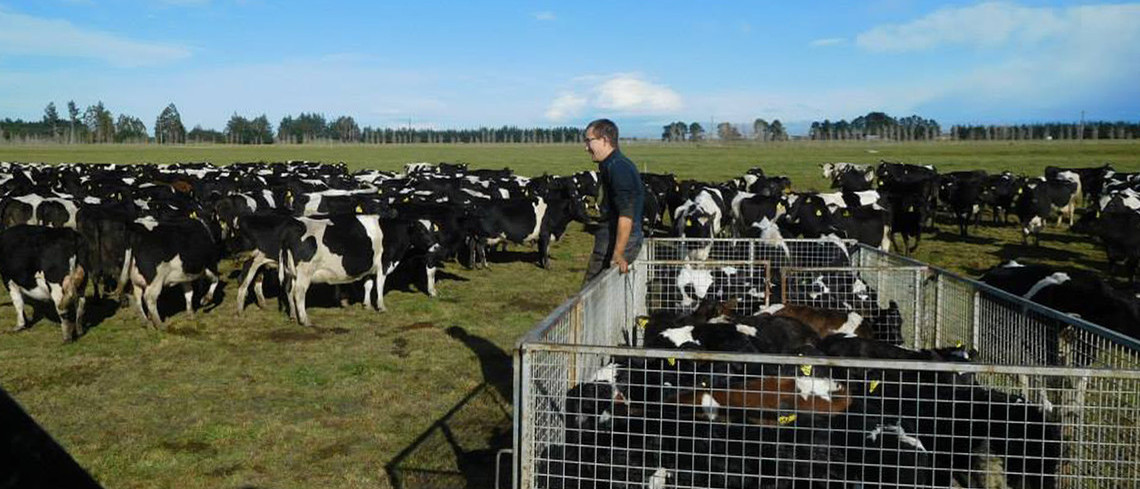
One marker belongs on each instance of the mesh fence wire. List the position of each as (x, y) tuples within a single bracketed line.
[(1049, 401)]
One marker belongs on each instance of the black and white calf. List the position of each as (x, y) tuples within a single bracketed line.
[(162, 253), (45, 264), (849, 177), (539, 220)]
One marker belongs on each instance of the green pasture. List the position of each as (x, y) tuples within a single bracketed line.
[(418, 396)]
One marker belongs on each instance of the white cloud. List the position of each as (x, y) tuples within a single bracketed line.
[(566, 106), (25, 35), (544, 16), (829, 41), (630, 94), (988, 25), (621, 93)]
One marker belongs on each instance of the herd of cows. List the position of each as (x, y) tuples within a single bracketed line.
[(138, 229)]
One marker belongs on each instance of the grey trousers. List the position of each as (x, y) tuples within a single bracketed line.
[(604, 252)]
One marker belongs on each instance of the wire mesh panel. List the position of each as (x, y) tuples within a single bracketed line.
[(778, 253), (889, 299), (653, 418), (1046, 400), (682, 286)]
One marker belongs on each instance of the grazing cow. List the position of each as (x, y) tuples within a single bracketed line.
[(998, 193), (962, 192), (46, 264), (344, 249), (162, 253)]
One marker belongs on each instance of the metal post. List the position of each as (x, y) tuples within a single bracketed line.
[(937, 308), (917, 307), (976, 327)]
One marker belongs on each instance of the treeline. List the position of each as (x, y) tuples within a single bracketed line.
[(876, 125), (97, 124), (1071, 130), (762, 130)]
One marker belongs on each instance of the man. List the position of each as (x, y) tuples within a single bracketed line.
[(623, 199)]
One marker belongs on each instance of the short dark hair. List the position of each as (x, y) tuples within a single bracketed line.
[(604, 128)]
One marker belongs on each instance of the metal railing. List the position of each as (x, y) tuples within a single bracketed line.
[(1049, 400)]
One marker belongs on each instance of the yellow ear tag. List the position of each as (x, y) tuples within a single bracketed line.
[(787, 191), (806, 369), (193, 214), (641, 322), (360, 209), (789, 419), (672, 362), (688, 222), (818, 212), (1019, 190), (846, 213), (910, 209), (434, 228), (780, 208), (407, 199), (874, 385)]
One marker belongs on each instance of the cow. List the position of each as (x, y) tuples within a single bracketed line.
[(167, 252), (46, 264), (1119, 234), (962, 192), (1090, 180), (343, 249), (260, 235), (537, 220), (1037, 199), (849, 177), (998, 194)]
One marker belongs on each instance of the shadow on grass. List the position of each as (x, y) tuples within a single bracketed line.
[(1013, 251), (954, 237), (461, 448), (29, 457)]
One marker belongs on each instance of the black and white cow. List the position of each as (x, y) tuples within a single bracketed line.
[(343, 249), (962, 193), (260, 235), (46, 264), (168, 252), (850, 177), (539, 220), (39, 208), (999, 193), (1036, 201)]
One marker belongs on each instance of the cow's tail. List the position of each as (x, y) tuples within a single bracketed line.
[(125, 274), (885, 245)]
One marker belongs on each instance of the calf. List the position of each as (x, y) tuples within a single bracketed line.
[(46, 264), (849, 177), (962, 192), (523, 221)]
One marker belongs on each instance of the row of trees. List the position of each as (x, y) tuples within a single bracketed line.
[(876, 125), (1073, 130), (97, 124), (762, 130)]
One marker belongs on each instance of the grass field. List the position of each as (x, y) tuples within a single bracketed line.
[(418, 396)]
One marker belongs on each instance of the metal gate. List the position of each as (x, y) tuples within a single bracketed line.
[(1048, 400)]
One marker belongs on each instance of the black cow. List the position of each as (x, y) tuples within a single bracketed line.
[(261, 236), (161, 253), (849, 177), (46, 264), (962, 192), (1119, 234), (999, 193)]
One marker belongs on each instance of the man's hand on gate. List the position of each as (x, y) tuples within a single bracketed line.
[(620, 263)]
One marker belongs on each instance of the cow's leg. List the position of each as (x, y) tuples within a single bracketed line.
[(18, 304), (544, 251), (213, 278), (259, 289), (188, 291), (380, 277), (431, 281), (150, 295), (65, 325), (340, 296), (368, 284), (81, 305), (300, 288), (248, 273), (137, 298)]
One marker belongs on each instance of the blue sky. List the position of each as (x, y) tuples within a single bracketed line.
[(454, 64)]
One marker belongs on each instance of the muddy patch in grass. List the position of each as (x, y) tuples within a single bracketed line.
[(184, 331), (415, 326), (531, 305), (400, 348), (224, 471), (187, 446), (340, 448), (68, 376), (292, 335)]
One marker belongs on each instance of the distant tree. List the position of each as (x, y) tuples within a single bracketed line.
[(696, 132), (727, 132), (200, 135), (99, 123), (345, 129), (778, 131), (51, 118), (73, 115), (760, 130), (168, 128), (129, 129)]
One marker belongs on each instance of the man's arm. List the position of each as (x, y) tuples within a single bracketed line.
[(624, 227)]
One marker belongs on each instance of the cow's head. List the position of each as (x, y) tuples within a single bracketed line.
[(695, 223)]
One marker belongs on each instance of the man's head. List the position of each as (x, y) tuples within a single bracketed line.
[(601, 139)]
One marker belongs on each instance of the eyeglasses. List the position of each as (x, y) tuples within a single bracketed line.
[(588, 139)]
